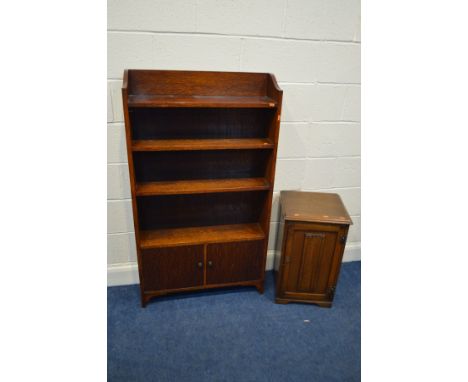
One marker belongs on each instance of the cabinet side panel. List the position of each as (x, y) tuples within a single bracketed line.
[(275, 93), (131, 170)]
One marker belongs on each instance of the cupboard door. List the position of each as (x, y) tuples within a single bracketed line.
[(234, 262), (309, 261), (172, 267)]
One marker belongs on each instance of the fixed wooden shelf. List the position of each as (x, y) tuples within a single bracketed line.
[(200, 235), (201, 144), (201, 186), (150, 100)]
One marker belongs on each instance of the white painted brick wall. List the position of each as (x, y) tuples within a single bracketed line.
[(289, 60), (118, 182), (313, 48), (241, 17), (322, 19), (197, 52), (152, 15), (116, 143)]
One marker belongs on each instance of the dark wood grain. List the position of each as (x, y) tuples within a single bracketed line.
[(197, 235), (203, 186), (201, 152), (201, 144), (234, 262), (200, 101), (195, 83), (273, 91), (316, 207), (131, 169), (173, 268), (312, 246)]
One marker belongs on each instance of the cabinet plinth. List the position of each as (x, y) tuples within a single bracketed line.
[(201, 150)]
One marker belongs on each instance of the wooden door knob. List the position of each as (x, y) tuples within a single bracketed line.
[(200, 264), (210, 263)]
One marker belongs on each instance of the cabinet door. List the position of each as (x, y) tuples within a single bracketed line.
[(172, 268), (311, 261), (234, 262)]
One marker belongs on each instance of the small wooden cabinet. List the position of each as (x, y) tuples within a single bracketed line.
[(201, 152), (313, 231)]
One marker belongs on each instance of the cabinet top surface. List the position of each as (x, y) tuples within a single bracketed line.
[(313, 207)]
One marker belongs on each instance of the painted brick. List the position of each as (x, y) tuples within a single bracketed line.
[(289, 174), (117, 103), (351, 198), (150, 15), (128, 51), (352, 104), (357, 33), (275, 207), (354, 234), (110, 113), (312, 102), (121, 248), (297, 102), (293, 140), (119, 216), (197, 52), (290, 61), (331, 173), (118, 183), (328, 103), (241, 17), (348, 172), (272, 237), (320, 173), (333, 139), (116, 144), (340, 63), (322, 19)]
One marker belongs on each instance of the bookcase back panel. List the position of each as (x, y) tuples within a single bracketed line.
[(175, 211), (181, 82), (186, 123), (214, 164)]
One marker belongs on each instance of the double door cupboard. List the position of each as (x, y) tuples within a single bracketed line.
[(201, 154)]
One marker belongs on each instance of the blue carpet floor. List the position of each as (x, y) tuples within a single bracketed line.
[(235, 335)]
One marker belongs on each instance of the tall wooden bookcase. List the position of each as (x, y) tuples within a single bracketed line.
[(201, 154)]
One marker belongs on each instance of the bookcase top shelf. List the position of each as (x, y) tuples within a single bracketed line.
[(191, 89), (200, 101)]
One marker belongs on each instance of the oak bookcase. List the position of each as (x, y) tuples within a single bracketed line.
[(201, 154)]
